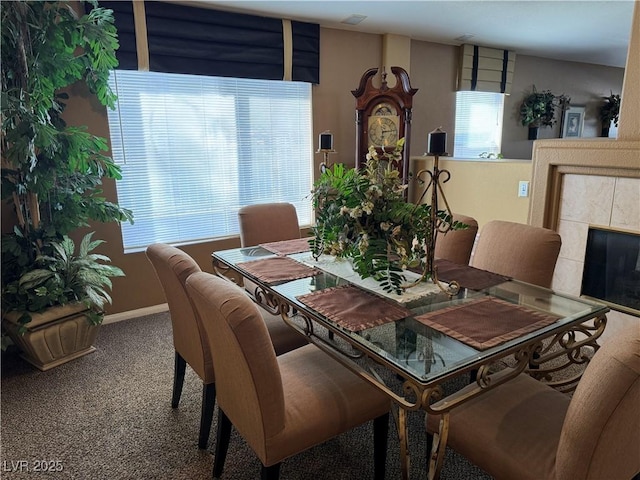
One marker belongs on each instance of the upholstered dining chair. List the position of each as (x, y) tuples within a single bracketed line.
[(456, 245), (267, 222), (281, 405), (517, 250), (172, 267), (525, 429)]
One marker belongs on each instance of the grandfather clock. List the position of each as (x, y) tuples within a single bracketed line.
[(383, 115)]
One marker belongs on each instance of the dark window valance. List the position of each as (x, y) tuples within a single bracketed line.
[(202, 41)]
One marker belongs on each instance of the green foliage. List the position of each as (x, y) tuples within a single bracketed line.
[(538, 109), (63, 277), (610, 109), (363, 216), (52, 173)]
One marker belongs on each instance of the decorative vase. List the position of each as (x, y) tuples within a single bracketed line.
[(533, 133), (53, 337)]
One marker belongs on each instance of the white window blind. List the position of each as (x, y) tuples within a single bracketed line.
[(478, 123), (195, 149)]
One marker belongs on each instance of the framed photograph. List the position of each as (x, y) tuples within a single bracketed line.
[(572, 122)]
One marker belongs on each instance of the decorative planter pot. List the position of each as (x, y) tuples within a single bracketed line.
[(533, 133), (605, 131), (55, 336)]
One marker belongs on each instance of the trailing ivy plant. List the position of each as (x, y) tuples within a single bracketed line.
[(538, 109), (51, 172)]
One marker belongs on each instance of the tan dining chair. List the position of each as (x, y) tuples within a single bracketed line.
[(526, 430), (517, 250), (172, 267), (267, 222), (456, 245), (282, 405)]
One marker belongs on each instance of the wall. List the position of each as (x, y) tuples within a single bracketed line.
[(345, 57), (586, 85), (484, 190)]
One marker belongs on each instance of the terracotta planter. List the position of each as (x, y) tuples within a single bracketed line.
[(55, 336)]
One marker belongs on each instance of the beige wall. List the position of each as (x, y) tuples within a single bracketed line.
[(484, 190), (345, 57)]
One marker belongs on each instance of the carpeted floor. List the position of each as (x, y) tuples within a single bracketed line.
[(108, 416)]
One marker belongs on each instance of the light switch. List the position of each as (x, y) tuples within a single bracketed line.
[(523, 188)]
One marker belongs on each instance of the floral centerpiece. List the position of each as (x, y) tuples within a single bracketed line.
[(363, 216)]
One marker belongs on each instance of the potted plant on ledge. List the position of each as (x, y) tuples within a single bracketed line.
[(609, 112), (53, 298), (537, 110)]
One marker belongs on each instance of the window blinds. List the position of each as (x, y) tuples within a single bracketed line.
[(202, 41), (485, 69)]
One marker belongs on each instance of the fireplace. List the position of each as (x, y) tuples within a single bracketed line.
[(612, 268)]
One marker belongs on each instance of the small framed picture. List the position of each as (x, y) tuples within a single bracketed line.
[(572, 122)]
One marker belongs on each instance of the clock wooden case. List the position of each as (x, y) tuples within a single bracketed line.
[(383, 115)]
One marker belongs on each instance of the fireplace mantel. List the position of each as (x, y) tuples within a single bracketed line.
[(554, 158)]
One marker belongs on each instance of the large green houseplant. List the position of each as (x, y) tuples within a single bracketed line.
[(52, 173)]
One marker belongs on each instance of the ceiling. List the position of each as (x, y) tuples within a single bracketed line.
[(589, 31)]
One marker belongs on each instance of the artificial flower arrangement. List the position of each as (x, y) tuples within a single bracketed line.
[(363, 216)]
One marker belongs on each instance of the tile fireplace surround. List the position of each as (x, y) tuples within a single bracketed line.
[(581, 183)]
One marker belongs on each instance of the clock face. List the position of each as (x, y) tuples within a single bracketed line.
[(383, 130)]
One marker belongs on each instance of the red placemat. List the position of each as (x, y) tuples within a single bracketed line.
[(466, 276), (277, 269), (287, 247), (353, 308), (486, 322)]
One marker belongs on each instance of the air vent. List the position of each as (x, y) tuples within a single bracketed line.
[(354, 19)]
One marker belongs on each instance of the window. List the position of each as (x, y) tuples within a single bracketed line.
[(478, 124), (194, 149)]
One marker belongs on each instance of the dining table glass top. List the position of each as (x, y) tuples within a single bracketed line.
[(416, 344)]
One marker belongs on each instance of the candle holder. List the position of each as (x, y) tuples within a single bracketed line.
[(325, 146), (433, 179)]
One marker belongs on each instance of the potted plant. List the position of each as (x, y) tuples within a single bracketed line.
[(537, 110), (51, 172), (609, 112)]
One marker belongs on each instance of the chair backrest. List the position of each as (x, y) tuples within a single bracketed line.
[(173, 267), (601, 432), (248, 383), (517, 250), (456, 245), (268, 222)]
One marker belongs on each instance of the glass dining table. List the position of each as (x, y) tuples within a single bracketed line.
[(409, 345)]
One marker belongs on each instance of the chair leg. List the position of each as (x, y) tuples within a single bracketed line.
[(270, 473), (380, 436), (206, 416), (178, 379), (222, 443)]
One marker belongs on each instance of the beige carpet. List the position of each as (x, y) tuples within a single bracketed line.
[(108, 415)]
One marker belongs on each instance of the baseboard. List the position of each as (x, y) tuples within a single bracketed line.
[(140, 312)]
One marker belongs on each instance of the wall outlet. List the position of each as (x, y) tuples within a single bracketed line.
[(523, 188)]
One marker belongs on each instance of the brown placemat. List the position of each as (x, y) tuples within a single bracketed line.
[(287, 247), (486, 322), (277, 269), (353, 308), (466, 276)]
